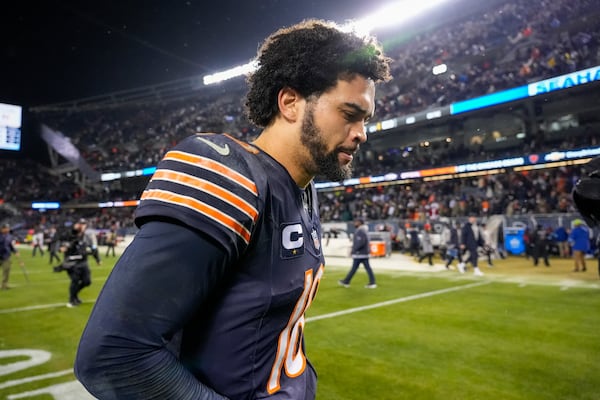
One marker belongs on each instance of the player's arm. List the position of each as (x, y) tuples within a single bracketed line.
[(162, 278)]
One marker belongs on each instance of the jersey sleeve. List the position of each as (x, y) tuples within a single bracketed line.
[(129, 348), (206, 182)]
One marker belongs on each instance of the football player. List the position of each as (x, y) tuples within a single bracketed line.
[(208, 301)]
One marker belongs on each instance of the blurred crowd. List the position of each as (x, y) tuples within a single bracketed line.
[(510, 44), (515, 193)]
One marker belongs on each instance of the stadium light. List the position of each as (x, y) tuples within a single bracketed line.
[(391, 15), (394, 14), (230, 73)]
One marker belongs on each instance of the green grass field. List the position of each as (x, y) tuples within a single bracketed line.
[(519, 332)]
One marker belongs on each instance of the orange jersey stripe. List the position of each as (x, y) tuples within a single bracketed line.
[(202, 208), (214, 166), (207, 187), (246, 146)]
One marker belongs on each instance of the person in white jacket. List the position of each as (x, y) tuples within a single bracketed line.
[(38, 242), (488, 247), (426, 245)]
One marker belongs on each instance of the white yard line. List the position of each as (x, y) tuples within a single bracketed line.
[(17, 382), (39, 307), (396, 301)]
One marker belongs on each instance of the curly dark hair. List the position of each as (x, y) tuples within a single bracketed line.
[(310, 57)]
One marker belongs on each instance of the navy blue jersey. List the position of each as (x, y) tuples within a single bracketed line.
[(248, 342)]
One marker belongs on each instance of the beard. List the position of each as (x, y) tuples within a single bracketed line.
[(324, 163)]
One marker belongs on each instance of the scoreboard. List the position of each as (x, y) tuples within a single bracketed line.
[(10, 127)]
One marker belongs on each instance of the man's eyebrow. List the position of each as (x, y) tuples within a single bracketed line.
[(358, 109)]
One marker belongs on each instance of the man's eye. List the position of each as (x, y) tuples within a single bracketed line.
[(352, 117)]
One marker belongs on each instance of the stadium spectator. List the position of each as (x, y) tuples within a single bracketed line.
[(501, 247), (222, 273), (470, 240), (561, 236), (452, 245), (360, 253), (38, 241), (579, 239), (488, 247), (7, 249), (540, 241), (53, 244), (414, 240), (111, 241), (426, 245), (528, 242)]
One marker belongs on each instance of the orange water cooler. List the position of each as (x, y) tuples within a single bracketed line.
[(377, 249)]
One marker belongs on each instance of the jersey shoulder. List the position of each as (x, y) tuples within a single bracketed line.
[(210, 182)]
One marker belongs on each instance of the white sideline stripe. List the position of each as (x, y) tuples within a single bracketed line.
[(17, 382), (315, 318), (395, 301), (40, 307)]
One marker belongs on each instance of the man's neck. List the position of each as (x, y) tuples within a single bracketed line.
[(283, 146)]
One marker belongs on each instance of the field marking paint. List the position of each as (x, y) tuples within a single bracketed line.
[(396, 301), (567, 284), (17, 382), (36, 357), (40, 307), (31, 308), (64, 391), (72, 390)]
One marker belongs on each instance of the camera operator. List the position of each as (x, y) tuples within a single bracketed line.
[(79, 245)]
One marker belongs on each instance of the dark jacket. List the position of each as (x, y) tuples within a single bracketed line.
[(453, 241), (360, 243), (540, 237), (413, 234), (6, 246), (468, 238)]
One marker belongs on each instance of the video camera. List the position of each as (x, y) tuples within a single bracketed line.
[(76, 246), (68, 263), (62, 267)]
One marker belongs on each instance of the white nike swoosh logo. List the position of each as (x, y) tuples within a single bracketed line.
[(222, 150)]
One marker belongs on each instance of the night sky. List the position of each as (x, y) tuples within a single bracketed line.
[(54, 51)]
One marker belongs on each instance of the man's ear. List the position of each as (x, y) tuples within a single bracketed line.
[(288, 101)]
